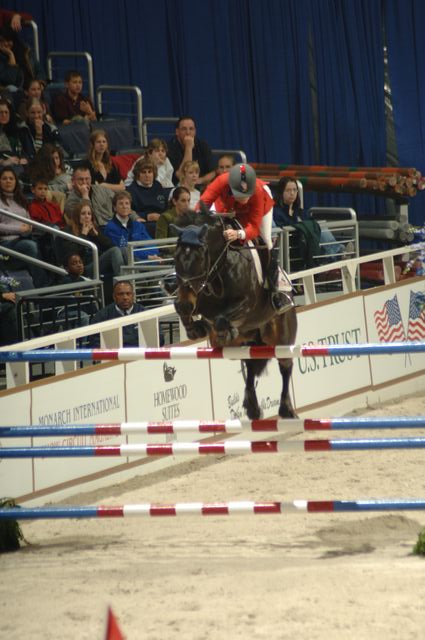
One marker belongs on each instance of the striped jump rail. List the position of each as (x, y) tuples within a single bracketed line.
[(246, 507), (278, 425), (212, 448), (210, 353)]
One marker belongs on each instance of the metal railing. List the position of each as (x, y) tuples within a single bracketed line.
[(54, 232), (34, 35), (135, 116), (73, 54)]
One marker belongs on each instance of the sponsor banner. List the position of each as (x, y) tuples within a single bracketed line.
[(324, 378), (15, 479), (228, 386), (396, 315), (163, 391), (95, 397)]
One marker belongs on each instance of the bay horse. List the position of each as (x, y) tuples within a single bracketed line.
[(219, 296)]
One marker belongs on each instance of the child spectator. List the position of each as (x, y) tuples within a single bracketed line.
[(49, 164), (41, 209), (156, 151), (71, 104), (102, 169), (35, 131), (122, 230), (189, 178), (74, 266), (34, 89), (148, 195), (75, 315)]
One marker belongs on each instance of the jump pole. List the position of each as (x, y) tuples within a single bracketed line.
[(277, 425), (230, 447), (213, 509), (211, 353)]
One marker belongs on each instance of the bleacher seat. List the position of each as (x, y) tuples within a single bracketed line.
[(75, 138)]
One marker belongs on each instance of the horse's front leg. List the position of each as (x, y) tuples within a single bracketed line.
[(286, 410), (185, 305), (225, 329)]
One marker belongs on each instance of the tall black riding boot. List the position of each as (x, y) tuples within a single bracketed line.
[(281, 300)]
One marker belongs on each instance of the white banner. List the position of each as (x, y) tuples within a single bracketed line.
[(321, 378)]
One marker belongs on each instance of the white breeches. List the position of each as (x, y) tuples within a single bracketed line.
[(267, 222)]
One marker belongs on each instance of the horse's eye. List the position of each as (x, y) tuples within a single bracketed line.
[(187, 251)]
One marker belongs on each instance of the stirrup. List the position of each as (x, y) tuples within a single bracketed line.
[(281, 301)]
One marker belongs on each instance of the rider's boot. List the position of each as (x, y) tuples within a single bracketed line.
[(279, 286)]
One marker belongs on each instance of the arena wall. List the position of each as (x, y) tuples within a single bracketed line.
[(163, 391)]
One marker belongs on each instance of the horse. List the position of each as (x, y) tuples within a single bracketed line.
[(219, 296)]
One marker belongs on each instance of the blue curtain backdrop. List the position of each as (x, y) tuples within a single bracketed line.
[(242, 69)]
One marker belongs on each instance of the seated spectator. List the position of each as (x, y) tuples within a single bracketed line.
[(17, 62), (10, 146), (34, 89), (49, 164), (148, 196), (78, 315), (122, 229), (190, 177), (8, 319), (35, 131), (180, 201), (83, 225), (102, 169), (157, 152), (288, 212), (224, 163), (17, 235), (186, 145), (71, 104), (123, 305), (82, 189), (49, 213)]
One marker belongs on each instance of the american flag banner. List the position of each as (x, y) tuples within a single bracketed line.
[(389, 324), (416, 328)]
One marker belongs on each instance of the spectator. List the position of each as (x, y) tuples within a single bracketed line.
[(83, 225), (190, 177), (82, 189), (102, 169), (71, 105), (122, 229), (8, 319), (41, 209), (17, 63), (288, 212), (10, 146), (34, 89), (224, 163), (123, 305), (75, 315), (157, 152), (185, 145), (148, 196), (13, 19), (49, 164), (180, 201), (35, 131), (17, 235)]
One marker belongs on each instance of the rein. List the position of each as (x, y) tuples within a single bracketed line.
[(205, 275)]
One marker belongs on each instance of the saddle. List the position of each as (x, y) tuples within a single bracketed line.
[(259, 252)]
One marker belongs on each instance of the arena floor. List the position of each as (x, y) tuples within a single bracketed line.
[(316, 576)]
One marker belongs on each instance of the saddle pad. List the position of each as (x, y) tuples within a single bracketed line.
[(256, 260)]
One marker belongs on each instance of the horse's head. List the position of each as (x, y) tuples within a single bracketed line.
[(199, 238)]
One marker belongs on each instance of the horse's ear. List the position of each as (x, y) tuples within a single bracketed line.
[(175, 229)]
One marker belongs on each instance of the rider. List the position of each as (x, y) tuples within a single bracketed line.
[(241, 191)]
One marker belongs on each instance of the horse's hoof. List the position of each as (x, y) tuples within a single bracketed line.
[(286, 412)]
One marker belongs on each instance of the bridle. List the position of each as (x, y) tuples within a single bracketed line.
[(207, 276)]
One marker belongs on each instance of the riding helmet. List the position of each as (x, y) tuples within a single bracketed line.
[(242, 180)]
